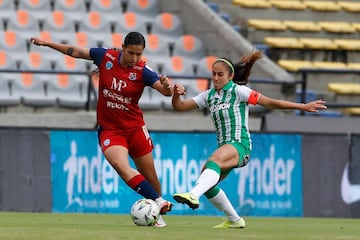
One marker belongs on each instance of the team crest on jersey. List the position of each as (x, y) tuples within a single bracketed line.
[(132, 76), (108, 65)]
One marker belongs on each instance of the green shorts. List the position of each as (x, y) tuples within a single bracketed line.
[(243, 152)]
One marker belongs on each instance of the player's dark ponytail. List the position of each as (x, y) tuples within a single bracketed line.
[(242, 69)]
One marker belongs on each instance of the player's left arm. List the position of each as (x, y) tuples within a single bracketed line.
[(272, 103)]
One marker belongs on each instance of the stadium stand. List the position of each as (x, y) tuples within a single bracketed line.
[(23, 23), (38, 8), (190, 48), (6, 97), (68, 93), (157, 51), (31, 89), (76, 9), (111, 9), (96, 26), (130, 21), (6, 8), (146, 9), (60, 25), (168, 26), (203, 69)]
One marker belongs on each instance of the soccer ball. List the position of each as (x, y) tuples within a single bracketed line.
[(145, 212)]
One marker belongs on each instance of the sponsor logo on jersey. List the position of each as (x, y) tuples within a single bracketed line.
[(110, 56), (132, 76), (108, 65)]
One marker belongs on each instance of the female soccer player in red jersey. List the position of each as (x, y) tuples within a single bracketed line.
[(122, 131)]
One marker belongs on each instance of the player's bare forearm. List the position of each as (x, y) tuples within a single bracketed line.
[(72, 51)]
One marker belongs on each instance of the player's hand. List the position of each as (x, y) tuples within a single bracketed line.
[(179, 89), (315, 106), (165, 81), (37, 41)]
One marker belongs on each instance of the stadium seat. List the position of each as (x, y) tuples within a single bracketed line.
[(157, 50), (252, 4), (294, 65), (67, 63), (352, 7), (38, 8), (129, 22), (190, 48), (323, 6), (267, 24), (96, 26), (24, 23), (348, 44), (110, 9), (168, 26), (329, 65), (204, 69), (284, 42), (356, 26), (180, 68), (337, 27), (318, 43), (353, 65), (60, 25), (31, 88), (288, 4), (341, 88), (69, 94), (146, 9), (83, 39), (34, 61), (49, 54), (302, 26), (148, 102), (114, 40), (7, 61), (6, 97), (13, 43), (355, 111), (6, 8), (75, 9)]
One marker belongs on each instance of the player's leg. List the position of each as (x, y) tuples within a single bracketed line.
[(115, 149), (117, 156), (219, 199), (225, 157), (140, 149)]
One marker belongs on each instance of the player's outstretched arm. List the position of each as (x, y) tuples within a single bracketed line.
[(271, 103), (72, 51), (180, 104)]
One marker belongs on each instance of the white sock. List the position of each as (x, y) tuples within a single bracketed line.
[(222, 203), (208, 178)]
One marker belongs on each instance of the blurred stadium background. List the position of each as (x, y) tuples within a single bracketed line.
[(312, 50)]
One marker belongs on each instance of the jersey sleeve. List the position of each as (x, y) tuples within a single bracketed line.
[(97, 54), (149, 76), (200, 99), (248, 95)]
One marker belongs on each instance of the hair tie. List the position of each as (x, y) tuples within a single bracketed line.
[(227, 62)]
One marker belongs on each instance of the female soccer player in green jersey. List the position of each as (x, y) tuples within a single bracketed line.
[(228, 101)]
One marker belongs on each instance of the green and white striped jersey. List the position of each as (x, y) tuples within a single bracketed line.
[(229, 111)]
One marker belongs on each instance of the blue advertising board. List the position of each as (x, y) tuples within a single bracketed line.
[(270, 185)]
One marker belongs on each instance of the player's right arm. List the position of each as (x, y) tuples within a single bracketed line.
[(70, 50), (182, 104)]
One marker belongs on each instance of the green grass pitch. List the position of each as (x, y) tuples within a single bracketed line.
[(49, 226)]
